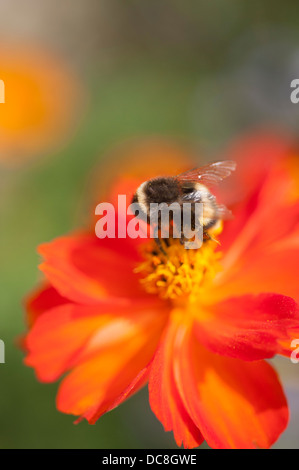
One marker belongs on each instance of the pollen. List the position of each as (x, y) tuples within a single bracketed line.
[(178, 273)]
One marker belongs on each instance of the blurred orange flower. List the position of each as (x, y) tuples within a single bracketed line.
[(41, 95), (195, 324)]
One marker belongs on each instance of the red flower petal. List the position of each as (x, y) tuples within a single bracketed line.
[(265, 217), (105, 375), (254, 154), (89, 270), (235, 404), (248, 327), (163, 395), (64, 336), (138, 382), (42, 299), (261, 244), (275, 270)]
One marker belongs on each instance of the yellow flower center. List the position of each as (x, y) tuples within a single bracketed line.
[(179, 273)]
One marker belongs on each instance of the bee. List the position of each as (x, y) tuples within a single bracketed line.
[(191, 187)]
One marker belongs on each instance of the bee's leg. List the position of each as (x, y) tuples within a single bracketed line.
[(160, 246), (182, 238), (158, 240), (208, 237), (182, 234), (166, 240)]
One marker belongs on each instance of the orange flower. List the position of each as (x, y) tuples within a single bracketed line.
[(40, 98), (195, 324)]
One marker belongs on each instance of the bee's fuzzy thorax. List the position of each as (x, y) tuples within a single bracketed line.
[(158, 190)]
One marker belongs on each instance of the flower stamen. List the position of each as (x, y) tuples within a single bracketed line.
[(178, 272)]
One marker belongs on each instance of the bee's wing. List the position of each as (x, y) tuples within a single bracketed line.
[(209, 174)]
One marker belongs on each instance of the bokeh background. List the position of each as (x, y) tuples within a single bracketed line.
[(82, 76)]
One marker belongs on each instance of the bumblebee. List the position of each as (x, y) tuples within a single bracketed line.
[(189, 187)]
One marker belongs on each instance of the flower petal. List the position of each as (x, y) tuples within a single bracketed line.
[(261, 245), (57, 337), (89, 270), (262, 219), (235, 404), (254, 154), (248, 327), (66, 335), (104, 376), (42, 299), (274, 270), (163, 395)]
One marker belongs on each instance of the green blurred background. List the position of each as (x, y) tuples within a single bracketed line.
[(197, 72)]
